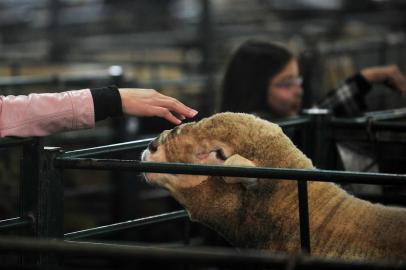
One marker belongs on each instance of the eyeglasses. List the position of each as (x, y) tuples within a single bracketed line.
[(289, 83)]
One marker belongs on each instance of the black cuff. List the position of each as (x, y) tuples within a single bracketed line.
[(107, 102), (362, 84)]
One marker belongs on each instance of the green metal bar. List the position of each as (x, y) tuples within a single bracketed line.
[(49, 212), (375, 116), (219, 170), (103, 230), (319, 136), (373, 126), (360, 46), (15, 223), (386, 114), (16, 81), (14, 141), (140, 144), (304, 217), (30, 165), (27, 80), (29, 181), (107, 149), (294, 121), (203, 256)]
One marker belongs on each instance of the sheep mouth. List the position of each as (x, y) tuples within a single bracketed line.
[(144, 157)]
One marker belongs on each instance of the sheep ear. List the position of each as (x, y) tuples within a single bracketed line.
[(237, 160)]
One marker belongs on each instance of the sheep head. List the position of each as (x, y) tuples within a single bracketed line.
[(226, 139), (235, 139)]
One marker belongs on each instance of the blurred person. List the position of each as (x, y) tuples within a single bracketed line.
[(45, 114), (264, 79)]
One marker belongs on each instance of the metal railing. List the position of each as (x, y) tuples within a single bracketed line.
[(48, 218), (190, 256), (103, 230)]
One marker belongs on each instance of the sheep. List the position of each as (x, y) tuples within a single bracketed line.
[(263, 214)]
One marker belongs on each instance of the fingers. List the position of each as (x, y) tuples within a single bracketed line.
[(148, 102), (166, 114), (177, 107)]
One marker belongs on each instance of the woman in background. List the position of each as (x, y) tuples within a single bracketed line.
[(264, 79)]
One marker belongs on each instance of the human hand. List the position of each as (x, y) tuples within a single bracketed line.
[(148, 102), (389, 75)]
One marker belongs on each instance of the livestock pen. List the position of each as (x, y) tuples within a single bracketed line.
[(41, 243)]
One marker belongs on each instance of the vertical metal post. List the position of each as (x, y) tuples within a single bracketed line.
[(187, 231), (310, 71), (206, 46), (15, 69), (117, 75), (49, 214), (383, 51), (319, 146), (41, 198), (29, 185), (206, 35), (50, 196), (57, 46), (304, 216), (126, 190), (317, 149), (121, 205), (402, 54)]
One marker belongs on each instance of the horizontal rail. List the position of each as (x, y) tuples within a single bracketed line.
[(386, 114), (107, 149), (15, 223), (140, 144), (373, 126), (203, 256), (49, 80), (159, 83), (375, 116), (103, 230), (296, 121), (257, 172), (14, 141), (371, 44)]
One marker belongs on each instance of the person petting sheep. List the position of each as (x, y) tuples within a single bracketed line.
[(48, 113), (263, 213)]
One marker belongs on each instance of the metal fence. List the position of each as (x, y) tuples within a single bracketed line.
[(42, 215)]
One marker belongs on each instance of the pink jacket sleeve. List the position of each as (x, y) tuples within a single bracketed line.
[(44, 114)]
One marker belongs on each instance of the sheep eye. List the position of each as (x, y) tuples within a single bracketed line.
[(220, 154)]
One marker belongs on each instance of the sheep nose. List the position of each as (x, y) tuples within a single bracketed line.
[(153, 146)]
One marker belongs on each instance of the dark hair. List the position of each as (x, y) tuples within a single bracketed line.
[(247, 76)]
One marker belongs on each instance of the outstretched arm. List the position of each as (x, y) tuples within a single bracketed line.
[(44, 114)]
